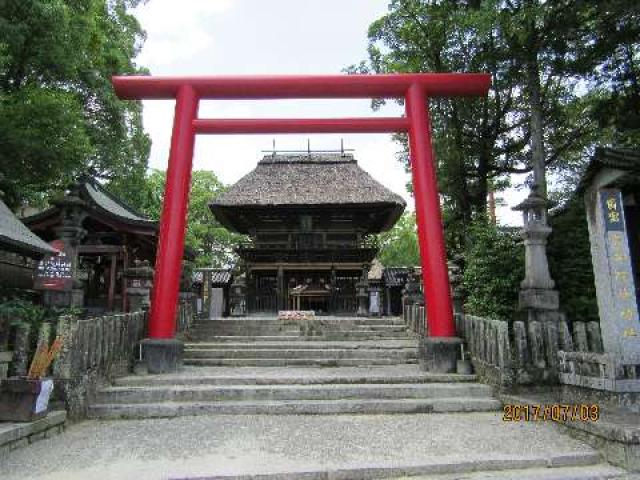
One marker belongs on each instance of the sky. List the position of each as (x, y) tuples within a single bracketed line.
[(257, 37)]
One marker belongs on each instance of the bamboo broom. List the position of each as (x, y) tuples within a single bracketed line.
[(43, 358)]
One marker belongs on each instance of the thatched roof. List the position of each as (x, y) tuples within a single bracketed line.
[(303, 179), (16, 237), (308, 180)]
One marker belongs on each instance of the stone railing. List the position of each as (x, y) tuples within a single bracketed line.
[(414, 318), (600, 371), (95, 350), (519, 353)]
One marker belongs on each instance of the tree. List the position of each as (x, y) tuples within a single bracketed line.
[(494, 267), (537, 114), (212, 242), (399, 246), (570, 261), (60, 115)]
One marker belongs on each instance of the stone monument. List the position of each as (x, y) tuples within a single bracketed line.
[(611, 188)]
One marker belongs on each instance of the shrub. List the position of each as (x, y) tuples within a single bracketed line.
[(494, 268)]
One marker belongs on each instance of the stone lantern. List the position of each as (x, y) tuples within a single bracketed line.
[(537, 294), (238, 297), (362, 294), (140, 278)]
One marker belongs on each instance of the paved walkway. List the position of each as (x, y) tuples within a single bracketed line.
[(203, 446)]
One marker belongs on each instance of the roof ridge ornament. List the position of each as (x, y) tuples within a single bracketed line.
[(275, 152)]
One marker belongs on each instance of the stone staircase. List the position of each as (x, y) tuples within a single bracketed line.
[(334, 342), (267, 366)]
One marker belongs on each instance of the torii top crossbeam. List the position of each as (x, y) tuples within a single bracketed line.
[(304, 86), (416, 89)]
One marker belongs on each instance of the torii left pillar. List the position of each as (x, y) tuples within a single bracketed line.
[(439, 350), (163, 351)]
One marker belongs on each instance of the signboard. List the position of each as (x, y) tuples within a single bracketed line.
[(619, 319), (54, 272), (612, 210)]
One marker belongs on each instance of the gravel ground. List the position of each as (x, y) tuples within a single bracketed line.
[(207, 445)]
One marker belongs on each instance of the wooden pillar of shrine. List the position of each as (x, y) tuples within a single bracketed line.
[(280, 292)]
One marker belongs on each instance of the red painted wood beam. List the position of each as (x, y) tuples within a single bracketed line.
[(301, 125), (433, 256), (303, 86), (173, 222), (416, 90)]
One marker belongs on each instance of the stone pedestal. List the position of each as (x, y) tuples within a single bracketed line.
[(375, 301), (5, 360), (362, 297), (140, 278), (162, 355), (64, 299), (439, 354), (216, 303), (457, 290), (238, 297)]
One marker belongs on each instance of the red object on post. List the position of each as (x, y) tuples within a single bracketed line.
[(415, 88)]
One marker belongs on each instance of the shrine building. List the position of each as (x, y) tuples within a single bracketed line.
[(309, 217), (101, 237)]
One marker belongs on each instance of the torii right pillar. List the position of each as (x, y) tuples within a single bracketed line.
[(438, 350)]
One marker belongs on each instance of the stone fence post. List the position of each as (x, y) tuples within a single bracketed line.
[(457, 290)]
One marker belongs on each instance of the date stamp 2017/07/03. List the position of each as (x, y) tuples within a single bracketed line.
[(557, 412)]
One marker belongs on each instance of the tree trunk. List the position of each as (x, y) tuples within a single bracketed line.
[(536, 123)]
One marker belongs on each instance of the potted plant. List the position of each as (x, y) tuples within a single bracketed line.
[(24, 399)]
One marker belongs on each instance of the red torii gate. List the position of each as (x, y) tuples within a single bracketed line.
[(416, 89)]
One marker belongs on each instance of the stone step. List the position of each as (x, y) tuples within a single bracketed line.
[(243, 338), (374, 328), (309, 344), (586, 471), (209, 393), (293, 353), (328, 336), (293, 362), (327, 319), (294, 407), (241, 330), (295, 330), (293, 376), (580, 467), (213, 324)]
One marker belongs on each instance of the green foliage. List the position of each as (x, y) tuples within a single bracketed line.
[(570, 264), (19, 310), (60, 115), (494, 268), (29, 116), (211, 241), (580, 57), (399, 246)]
